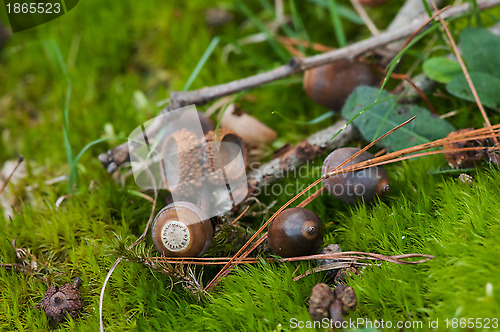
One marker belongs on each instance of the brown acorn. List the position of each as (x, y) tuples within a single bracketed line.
[(295, 232), (331, 84), (182, 229), (465, 159), (352, 187), (60, 302)]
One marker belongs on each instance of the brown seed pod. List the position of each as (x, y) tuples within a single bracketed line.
[(319, 303), (331, 84), (182, 229), (352, 187), (344, 302), (295, 232), (59, 302), (465, 159)]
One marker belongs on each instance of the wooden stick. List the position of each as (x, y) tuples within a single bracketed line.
[(120, 154)]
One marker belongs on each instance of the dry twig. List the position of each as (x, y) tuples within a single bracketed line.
[(120, 154)]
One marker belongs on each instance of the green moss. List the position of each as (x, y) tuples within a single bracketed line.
[(114, 51)]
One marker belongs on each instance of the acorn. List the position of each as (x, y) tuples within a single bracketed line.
[(60, 302), (295, 232), (465, 159), (352, 187), (182, 229), (331, 84)]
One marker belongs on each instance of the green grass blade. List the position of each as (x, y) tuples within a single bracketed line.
[(337, 23), (91, 144), (262, 27), (54, 54), (316, 120), (344, 11), (201, 63)]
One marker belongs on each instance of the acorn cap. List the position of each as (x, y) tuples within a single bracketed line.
[(347, 296), (180, 163), (59, 302), (222, 153)]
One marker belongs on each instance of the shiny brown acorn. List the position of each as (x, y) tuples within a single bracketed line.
[(182, 229), (354, 186), (331, 84), (295, 232)]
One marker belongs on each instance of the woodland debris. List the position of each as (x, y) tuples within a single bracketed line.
[(329, 249), (120, 154), (465, 159), (319, 303), (291, 158), (334, 304), (60, 302)]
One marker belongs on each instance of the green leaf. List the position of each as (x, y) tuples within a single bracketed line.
[(481, 50), (487, 87), (441, 69), (386, 114)]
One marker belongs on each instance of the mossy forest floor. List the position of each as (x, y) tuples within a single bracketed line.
[(122, 58)]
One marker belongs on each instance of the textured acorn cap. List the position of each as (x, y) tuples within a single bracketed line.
[(180, 164), (59, 302), (319, 303)]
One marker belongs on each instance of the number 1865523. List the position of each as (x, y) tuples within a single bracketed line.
[(472, 323), (32, 8)]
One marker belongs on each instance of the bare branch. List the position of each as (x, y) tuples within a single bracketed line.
[(113, 159)]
